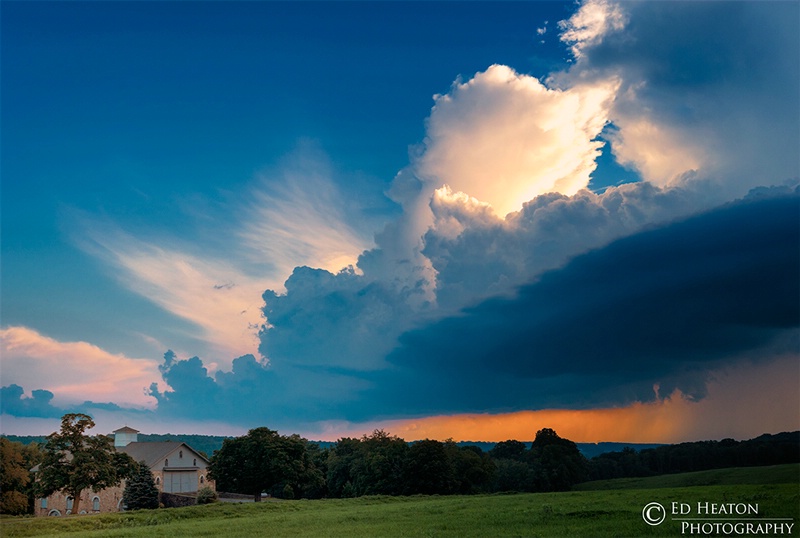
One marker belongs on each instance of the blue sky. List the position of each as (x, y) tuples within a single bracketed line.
[(345, 210)]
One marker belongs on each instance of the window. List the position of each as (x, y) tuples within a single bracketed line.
[(96, 504), (180, 455), (43, 503), (166, 462), (194, 462), (202, 479), (54, 513), (158, 480), (69, 505)]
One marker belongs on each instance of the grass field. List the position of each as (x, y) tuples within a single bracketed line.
[(606, 512), (775, 474)]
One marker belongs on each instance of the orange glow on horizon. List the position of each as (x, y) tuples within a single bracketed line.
[(742, 403)]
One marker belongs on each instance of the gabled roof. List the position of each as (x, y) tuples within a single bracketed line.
[(152, 451), (126, 429), (149, 451)]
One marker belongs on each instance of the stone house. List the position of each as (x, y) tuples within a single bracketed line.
[(176, 468)]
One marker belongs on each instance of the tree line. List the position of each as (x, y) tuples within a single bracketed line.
[(264, 462), (697, 456)]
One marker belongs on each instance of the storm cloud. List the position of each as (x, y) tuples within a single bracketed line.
[(659, 308)]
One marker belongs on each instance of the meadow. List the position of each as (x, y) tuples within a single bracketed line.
[(613, 508)]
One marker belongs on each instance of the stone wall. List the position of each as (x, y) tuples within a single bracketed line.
[(176, 500), (56, 504)]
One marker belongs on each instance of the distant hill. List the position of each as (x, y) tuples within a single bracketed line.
[(203, 443), (589, 450), (209, 443)]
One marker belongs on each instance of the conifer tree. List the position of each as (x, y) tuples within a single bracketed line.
[(140, 489)]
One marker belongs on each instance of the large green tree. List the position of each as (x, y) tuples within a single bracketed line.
[(140, 489), (264, 461), (74, 461), (372, 465)]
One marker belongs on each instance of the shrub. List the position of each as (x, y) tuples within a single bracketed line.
[(206, 495)]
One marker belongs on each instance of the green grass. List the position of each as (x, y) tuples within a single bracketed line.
[(775, 474), (611, 512)]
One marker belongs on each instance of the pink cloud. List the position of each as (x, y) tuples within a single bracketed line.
[(74, 371)]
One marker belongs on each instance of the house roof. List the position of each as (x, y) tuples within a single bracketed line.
[(149, 451), (126, 429), (152, 451)]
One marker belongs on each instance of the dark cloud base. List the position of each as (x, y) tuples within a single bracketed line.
[(660, 307)]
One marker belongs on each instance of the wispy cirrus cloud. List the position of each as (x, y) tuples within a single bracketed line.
[(213, 294), (297, 215), (290, 216)]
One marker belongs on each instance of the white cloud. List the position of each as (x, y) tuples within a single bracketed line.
[(74, 371), (504, 138), (660, 153), (709, 92), (591, 23), (476, 254)]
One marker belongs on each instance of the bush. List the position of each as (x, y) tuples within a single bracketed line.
[(14, 503), (206, 495)]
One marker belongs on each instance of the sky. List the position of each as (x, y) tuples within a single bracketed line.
[(466, 220)]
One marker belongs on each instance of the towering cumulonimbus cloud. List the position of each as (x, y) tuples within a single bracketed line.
[(504, 138), (496, 196)]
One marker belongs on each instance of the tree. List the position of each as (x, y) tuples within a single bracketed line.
[(74, 461), (140, 490), (473, 468), (512, 475), (16, 460), (558, 464), (429, 470), (509, 450), (263, 461), (372, 465)]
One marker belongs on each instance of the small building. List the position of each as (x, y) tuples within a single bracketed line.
[(176, 468)]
